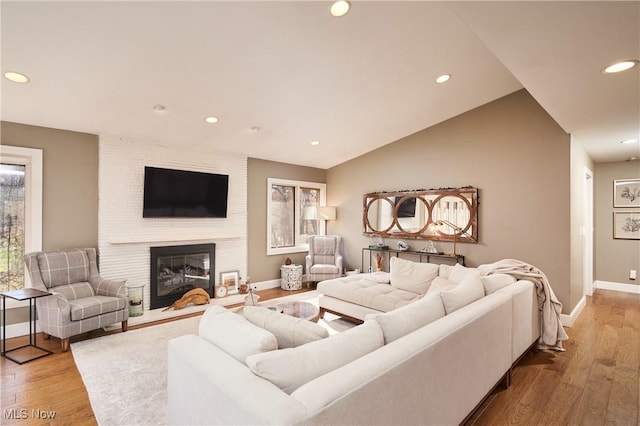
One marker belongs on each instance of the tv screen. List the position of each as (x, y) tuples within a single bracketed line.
[(407, 208), (180, 193)]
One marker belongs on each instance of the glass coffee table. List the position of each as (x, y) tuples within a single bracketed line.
[(303, 310)]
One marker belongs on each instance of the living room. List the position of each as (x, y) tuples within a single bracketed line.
[(529, 170)]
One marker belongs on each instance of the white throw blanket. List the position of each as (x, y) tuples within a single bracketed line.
[(552, 332)]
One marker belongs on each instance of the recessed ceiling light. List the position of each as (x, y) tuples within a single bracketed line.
[(620, 66), (16, 77), (626, 141), (314, 143), (158, 107), (211, 120), (443, 78), (340, 8), (632, 158)]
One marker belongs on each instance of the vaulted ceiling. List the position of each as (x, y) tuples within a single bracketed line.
[(279, 75)]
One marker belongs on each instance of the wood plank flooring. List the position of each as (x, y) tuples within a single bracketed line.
[(595, 382)]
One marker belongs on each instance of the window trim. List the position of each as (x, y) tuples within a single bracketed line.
[(31, 158), (298, 184)]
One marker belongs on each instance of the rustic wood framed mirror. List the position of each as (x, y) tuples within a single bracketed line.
[(448, 214)]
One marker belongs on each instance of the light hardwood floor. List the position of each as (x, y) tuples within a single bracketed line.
[(595, 382)]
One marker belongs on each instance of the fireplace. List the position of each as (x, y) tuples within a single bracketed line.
[(178, 269)]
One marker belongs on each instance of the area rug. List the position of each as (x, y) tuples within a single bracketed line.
[(126, 373)]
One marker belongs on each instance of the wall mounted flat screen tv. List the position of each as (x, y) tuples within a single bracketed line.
[(181, 193), (407, 208)]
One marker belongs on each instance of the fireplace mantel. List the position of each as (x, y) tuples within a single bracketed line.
[(184, 238)]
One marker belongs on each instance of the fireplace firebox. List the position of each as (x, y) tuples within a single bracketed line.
[(178, 269)]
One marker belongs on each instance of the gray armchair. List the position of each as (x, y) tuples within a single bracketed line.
[(82, 301), (324, 260)]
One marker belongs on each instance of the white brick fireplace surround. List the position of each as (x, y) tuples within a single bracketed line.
[(125, 237)]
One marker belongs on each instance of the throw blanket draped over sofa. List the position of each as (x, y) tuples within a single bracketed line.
[(550, 308)]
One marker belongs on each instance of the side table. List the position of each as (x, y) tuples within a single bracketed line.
[(30, 294), (291, 277)]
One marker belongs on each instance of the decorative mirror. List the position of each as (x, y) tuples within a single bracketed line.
[(448, 214)]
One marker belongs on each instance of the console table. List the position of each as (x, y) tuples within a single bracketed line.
[(420, 255), (30, 294)]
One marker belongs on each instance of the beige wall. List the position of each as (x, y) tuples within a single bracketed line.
[(261, 266), (580, 164), (70, 187), (613, 258), (510, 149)]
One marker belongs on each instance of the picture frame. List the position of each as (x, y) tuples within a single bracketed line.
[(230, 279), (626, 193), (626, 225)]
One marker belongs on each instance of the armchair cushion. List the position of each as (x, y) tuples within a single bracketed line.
[(96, 305), (63, 267), (75, 291)]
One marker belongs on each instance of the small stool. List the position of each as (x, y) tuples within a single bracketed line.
[(291, 277)]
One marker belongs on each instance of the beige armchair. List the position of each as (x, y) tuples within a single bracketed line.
[(82, 301), (324, 260)]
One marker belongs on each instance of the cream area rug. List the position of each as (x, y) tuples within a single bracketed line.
[(126, 373)]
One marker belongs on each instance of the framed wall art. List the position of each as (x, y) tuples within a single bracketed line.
[(231, 280), (626, 193), (626, 225)]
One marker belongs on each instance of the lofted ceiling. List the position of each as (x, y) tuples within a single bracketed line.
[(279, 75)]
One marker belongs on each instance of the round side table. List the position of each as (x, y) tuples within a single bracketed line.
[(291, 277)]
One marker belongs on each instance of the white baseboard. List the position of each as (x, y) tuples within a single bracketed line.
[(22, 329), (19, 329), (608, 285), (569, 320)]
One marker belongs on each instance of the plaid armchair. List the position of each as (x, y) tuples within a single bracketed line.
[(81, 300), (324, 260)]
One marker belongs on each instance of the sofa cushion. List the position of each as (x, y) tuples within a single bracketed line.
[(412, 276), (441, 284), (459, 273), (289, 331), (409, 318), (234, 334), (468, 291), (63, 267), (364, 292), (95, 305), (495, 282), (291, 368)]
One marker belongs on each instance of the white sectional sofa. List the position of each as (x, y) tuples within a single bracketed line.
[(430, 361)]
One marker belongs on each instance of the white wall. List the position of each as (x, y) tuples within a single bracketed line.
[(124, 236)]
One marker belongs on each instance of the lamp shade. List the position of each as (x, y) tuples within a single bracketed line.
[(327, 213)]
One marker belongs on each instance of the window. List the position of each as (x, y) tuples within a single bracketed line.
[(20, 212), (292, 214)]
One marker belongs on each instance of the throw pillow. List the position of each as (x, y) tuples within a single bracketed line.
[(402, 321), (495, 282), (412, 276), (289, 331), (468, 291), (234, 334), (291, 368), (459, 273)]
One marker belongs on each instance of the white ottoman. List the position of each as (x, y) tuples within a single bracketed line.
[(291, 277)]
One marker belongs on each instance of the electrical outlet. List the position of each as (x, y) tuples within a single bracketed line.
[(632, 274)]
